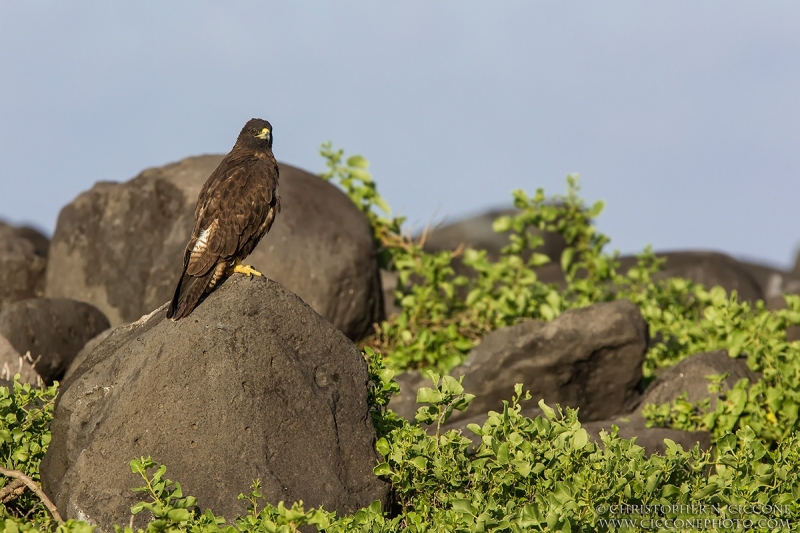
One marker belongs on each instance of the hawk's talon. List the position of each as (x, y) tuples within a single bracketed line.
[(247, 270)]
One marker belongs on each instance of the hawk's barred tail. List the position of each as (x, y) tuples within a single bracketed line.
[(188, 292)]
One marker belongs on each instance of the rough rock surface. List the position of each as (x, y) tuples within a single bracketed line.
[(88, 348), (53, 330), (12, 362), (40, 241), (773, 282), (22, 264), (119, 246), (405, 402), (689, 376), (388, 286), (253, 385), (589, 358)]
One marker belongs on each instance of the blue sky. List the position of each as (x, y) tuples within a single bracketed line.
[(683, 116)]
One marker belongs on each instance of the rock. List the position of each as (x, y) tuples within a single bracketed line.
[(405, 403), (253, 385), (689, 376), (53, 330), (476, 232), (388, 286), (11, 363), (779, 302), (22, 267), (40, 241), (651, 439), (709, 268), (119, 246), (589, 358), (773, 282), (88, 348)]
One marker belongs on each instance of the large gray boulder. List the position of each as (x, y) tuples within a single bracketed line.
[(476, 232), (589, 358), (708, 268), (649, 438), (23, 259), (774, 282), (53, 330), (88, 348), (690, 376), (119, 246), (253, 385)]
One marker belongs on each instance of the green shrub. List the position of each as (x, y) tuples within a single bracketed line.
[(525, 474), (25, 415), (437, 326)]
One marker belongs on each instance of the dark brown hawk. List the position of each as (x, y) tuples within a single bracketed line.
[(235, 209)]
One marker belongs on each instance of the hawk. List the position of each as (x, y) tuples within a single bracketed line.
[(236, 208)]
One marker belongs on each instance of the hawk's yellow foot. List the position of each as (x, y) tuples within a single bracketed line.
[(245, 269)]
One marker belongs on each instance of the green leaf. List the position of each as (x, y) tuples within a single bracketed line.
[(522, 467), (596, 209), (711, 488), (450, 385), (357, 161), (580, 439), (566, 258), (382, 469), (419, 462), (382, 446), (428, 395), (501, 224), (360, 174), (463, 506), (502, 454), (383, 205), (548, 411), (179, 515), (475, 428)]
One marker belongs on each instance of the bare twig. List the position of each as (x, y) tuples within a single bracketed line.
[(12, 491), (31, 484)]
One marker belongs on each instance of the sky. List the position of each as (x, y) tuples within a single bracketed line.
[(683, 116)]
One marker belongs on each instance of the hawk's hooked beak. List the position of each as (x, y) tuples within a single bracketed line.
[(264, 134)]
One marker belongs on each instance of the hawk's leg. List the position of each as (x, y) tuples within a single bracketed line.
[(244, 269)]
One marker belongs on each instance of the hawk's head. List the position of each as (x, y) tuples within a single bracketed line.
[(256, 134)]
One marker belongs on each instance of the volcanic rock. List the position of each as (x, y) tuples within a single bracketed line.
[(53, 330), (253, 385), (589, 358), (119, 246), (22, 266)]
